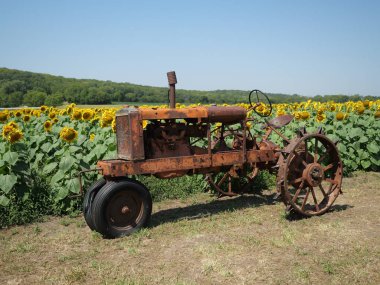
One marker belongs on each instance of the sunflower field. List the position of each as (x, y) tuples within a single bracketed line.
[(42, 150)]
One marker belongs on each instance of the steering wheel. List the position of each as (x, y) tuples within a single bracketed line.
[(258, 103)]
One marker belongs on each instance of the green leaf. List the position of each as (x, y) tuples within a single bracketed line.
[(373, 147), (41, 139), (66, 163), (81, 139), (342, 148), (49, 168), (57, 177), (59, 152), (363, 139), (73, 185), (46, 147), (375, 161), (11, 157), (99, 150), (84, 165), (62, 193), (365, 163), (7, 182), (2, 147), (356, 132), (25, 197), (4, 201), (39, 156), (73, 149)]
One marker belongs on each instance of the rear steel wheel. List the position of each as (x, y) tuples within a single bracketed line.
[(122, 207), (233, 182), (310, 174)]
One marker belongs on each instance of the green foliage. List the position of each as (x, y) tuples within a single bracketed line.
[(174, 188), (34, 89), (39, 175)]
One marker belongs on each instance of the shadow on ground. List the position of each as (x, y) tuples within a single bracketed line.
[(295, 216), (214, 207), (224, 205)]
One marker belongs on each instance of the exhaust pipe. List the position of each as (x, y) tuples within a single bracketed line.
[(172, 78)]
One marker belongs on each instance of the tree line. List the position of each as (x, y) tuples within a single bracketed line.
[(23, 88)]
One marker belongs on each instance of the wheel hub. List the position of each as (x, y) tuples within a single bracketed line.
[(313, 174), (125, 210)]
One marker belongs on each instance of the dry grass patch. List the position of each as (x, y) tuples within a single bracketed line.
[(201, 240)]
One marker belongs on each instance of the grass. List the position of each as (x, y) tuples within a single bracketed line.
[(204, 240)]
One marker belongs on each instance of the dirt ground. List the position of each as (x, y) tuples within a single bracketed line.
[(202, 240)]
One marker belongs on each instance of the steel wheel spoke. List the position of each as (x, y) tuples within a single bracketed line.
[(305, 199), (315, 150), (302, 160), (229, 184), (328, 167), (297, 192), (300, 179), (221, 181), (324, 155), (323, 190), (314, 198), (331, 181), (306, 150)]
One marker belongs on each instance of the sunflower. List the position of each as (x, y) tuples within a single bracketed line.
[(3, 116), (377, 114), (77, 115), (305, 115), (107, 118), (15, 135), (26, 118), (27, 111), (13, 124), (320, 111), (339, 116), (360, 109), (297, 115), (18, 113), (68, 134), (280, 112), (260, 108), (6, 130), (47, 126), (55, 120), (92, 137), (321, 118), (43, 108), (114, 125), (366, 104), (52, 115), (88, 114)]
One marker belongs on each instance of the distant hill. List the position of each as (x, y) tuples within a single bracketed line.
[(34, 89)]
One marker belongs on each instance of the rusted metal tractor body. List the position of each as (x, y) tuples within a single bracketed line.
[(166, 149), (170, 142)]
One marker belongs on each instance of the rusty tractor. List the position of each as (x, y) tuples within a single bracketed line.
[(214, 141)]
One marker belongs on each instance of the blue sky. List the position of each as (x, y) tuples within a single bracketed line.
[(304, 47)]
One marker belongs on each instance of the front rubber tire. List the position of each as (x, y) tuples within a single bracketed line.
[(121, 208), (89, 199)]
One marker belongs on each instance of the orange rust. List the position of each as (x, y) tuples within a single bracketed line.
[(119, 167), (164, 113), (223, 114)]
